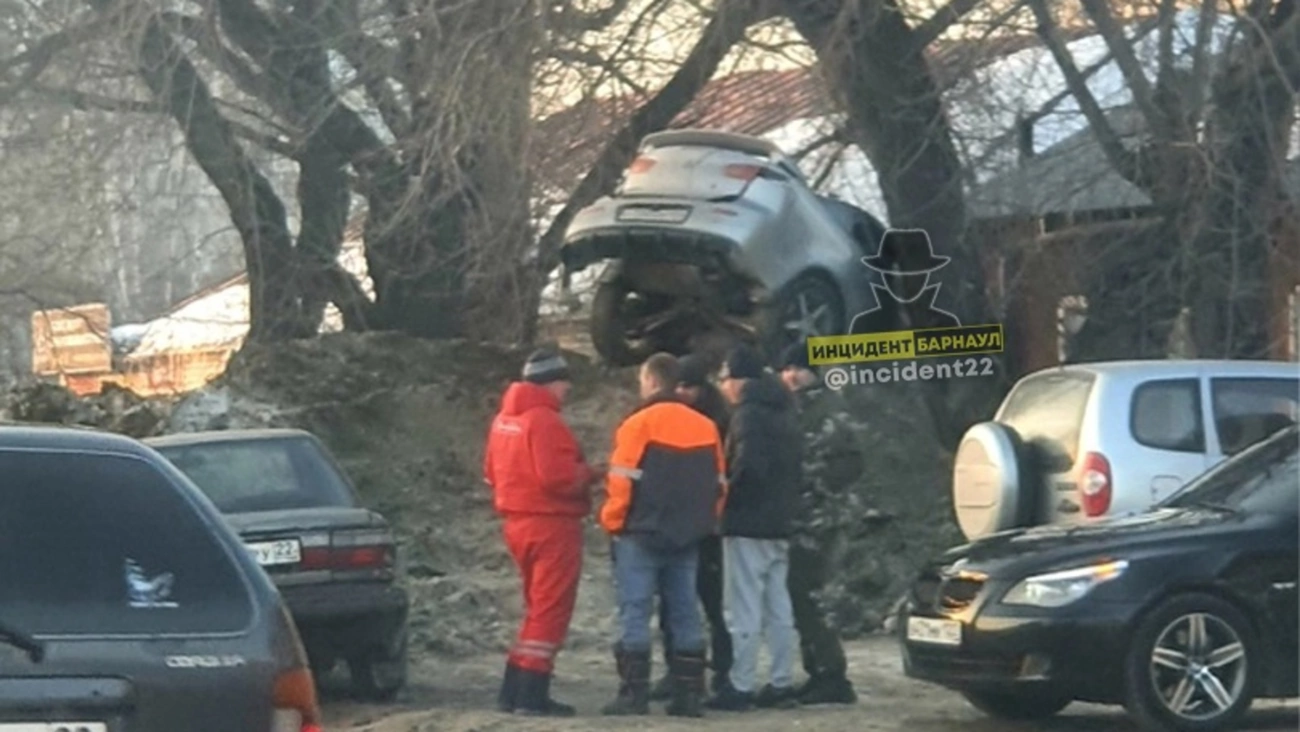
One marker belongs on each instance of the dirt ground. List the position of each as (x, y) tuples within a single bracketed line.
[(458, 697)]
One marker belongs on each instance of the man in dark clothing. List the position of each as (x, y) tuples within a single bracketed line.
[(764, 455), (696, 390), (665, 490), (832, 464)]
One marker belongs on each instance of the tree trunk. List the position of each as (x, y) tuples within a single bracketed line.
[(259, 216), (436, 239), (876, 67)]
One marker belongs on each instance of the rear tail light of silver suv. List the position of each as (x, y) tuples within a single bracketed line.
[(1095, 489)]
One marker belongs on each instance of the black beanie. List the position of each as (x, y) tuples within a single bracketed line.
[(545, 366)]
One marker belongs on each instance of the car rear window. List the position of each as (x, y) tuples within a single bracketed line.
[(1047, 411), (244, 476), (1166, 415), (99, 544)]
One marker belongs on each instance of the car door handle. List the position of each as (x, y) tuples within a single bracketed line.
[(1284, 585)]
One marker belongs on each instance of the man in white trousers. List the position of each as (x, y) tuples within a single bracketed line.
[(764, 461)]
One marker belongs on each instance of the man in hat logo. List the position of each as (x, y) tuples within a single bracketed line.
[(905, 260)]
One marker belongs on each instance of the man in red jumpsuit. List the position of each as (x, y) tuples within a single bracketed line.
[(541, 486)]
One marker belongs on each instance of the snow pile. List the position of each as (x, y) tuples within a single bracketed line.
[(218, 320)]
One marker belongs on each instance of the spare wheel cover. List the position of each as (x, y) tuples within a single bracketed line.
[(986, 480)]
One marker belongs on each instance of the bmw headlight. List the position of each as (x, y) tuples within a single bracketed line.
[(1057, 589)]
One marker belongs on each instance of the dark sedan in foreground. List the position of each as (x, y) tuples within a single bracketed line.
[(1183, 614), (333, 560)]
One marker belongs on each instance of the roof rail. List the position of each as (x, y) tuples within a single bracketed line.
[(713, 138)]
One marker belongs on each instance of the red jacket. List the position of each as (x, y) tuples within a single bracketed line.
[(533, 462)]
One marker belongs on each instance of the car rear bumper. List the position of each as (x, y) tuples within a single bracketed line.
[(345, 600), (1081, 655), (677, 245), (344, 619)]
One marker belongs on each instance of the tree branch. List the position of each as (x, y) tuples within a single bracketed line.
[(255, 209), (1200, 81), (577, 21), (1125, 162), (594, 59), (91, 102), (724, 30), (944, 18), (1129, 65)]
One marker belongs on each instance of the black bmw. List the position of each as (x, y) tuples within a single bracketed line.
[(1183, 614)]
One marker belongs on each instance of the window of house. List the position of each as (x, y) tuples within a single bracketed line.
[(1166, 415), (1247, 410)]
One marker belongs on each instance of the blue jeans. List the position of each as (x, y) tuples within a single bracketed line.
[(639, 574)]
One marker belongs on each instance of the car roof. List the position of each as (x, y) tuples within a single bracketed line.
[(78, 438), (219, 436), (1181, 366)]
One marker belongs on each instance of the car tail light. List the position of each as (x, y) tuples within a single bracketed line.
[(296, 707), (641, 164), (1095, 485), (359, 549), (743, 172)]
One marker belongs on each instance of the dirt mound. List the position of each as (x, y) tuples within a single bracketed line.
[(116, 409)]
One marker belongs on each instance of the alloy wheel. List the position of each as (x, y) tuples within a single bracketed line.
[(1198, 667), (809, 315)]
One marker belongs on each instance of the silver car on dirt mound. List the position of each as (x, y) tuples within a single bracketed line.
[(718, 233)]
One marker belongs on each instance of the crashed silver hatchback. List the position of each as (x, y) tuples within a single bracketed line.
[(717, 233)]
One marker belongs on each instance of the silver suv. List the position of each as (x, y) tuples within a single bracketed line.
[(1102, 439), (712, 232)]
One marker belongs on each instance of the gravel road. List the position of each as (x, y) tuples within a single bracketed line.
[(458, 697)]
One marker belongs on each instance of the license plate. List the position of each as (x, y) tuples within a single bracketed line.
[(269, 553), (654, 215), (933, 630), (53, 727)]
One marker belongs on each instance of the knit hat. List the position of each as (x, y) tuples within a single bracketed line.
[(795, 356), (742, 363), (545, 366), (693, 370)]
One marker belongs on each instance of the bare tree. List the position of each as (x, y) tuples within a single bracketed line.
[(1208, 149)]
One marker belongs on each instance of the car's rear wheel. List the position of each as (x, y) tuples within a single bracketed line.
[(611, 325), (380, 675), (1023, 706), (1190, 664), (810, 306)]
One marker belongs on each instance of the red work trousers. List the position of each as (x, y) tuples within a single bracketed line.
[(548, 552)]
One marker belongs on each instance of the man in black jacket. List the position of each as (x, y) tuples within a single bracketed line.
[(764, 463), (696, 390)]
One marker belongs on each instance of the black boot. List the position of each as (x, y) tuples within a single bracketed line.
[(533, 697), (634, 687), (688, 685), (827, 690), (506, 700)]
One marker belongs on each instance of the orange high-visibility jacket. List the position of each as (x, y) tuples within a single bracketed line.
[(667, 476)]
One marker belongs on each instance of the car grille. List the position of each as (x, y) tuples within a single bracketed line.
[(955, 664)]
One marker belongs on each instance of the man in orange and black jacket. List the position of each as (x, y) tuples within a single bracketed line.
[(665, 492)]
